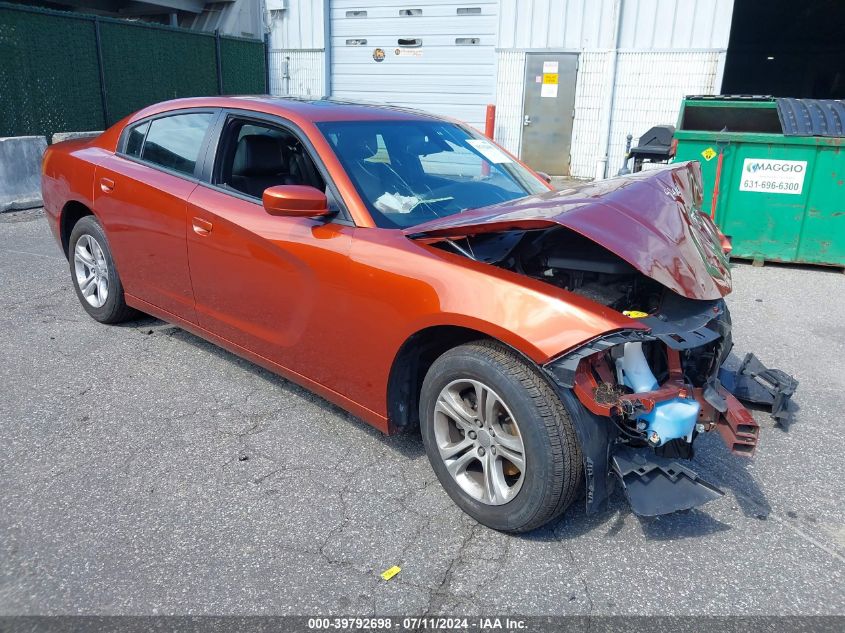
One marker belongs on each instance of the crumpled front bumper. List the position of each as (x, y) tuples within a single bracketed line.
[(587, 384)]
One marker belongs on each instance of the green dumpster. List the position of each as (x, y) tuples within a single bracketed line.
[(773, 172)]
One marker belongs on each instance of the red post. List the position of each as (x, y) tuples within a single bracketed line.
[(489, 131), (490, 121)]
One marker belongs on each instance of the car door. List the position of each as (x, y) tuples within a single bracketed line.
[(141, 196), (272, 285)]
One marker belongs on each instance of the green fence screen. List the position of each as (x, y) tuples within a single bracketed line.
[(240, 72), (49, 78), (50, 69)]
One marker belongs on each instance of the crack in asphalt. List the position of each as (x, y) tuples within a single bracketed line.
[(439, 593), (587, 592)]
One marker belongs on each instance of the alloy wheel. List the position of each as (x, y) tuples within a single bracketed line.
[(92, 271), (479, 441)]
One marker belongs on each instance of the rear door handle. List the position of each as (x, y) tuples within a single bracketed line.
[(106, 184), (202, 227)]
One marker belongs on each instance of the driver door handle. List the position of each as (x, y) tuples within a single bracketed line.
[(202, 227)]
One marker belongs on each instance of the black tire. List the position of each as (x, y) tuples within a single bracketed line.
[(114, 309), (553, 466)]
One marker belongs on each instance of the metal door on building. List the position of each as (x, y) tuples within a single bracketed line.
[(438, 56), (548, 111)]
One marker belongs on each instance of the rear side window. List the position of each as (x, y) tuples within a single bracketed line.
[(136, 139), (174, 142)]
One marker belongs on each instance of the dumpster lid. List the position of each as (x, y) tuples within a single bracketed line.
[(812, 117), (730, 113), (768, 98)]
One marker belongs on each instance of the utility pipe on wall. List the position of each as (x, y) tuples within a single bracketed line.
[(610, 90), (286, 75)]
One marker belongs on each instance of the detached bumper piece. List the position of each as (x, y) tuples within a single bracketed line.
[(656, 486), (752, 381), (737, 427)]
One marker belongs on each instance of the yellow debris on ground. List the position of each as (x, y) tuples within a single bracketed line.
[(387, 574)]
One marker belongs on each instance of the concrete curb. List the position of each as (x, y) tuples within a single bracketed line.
[(20, 168), (58, 137), (20, 172)]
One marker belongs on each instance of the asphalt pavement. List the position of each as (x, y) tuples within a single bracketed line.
[(145, 471)]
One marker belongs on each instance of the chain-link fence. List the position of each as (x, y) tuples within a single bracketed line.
[(62, 72)]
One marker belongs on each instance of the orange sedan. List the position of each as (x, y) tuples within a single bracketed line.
[(416, 274)]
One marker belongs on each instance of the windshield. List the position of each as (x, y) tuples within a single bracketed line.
[(409, 172)]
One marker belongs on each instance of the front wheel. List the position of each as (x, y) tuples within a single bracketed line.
[(498, 437)]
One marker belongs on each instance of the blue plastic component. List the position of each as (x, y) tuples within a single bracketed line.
[(647, 383), (672, 419)]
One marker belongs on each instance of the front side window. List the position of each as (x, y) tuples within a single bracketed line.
[(255, 156), (409, 172), (174, 142)]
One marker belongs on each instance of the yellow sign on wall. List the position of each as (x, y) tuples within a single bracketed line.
[(550, 78)]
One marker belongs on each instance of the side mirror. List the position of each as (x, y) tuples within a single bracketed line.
[(544, 176), (298, 201)]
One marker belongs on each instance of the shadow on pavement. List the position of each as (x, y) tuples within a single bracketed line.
[(726, 471), (408, 444)]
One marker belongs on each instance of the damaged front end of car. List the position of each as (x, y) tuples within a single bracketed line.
[(643, 397), (639, 397)]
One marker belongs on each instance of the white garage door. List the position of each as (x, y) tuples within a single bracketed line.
[(438, 55)]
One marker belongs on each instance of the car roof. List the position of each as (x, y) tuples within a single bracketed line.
[(303, 109)]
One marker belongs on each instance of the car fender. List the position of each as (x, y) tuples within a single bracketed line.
[(65, 178), (535, 318)]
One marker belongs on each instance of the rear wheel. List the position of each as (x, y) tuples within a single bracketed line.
[(94, 275), (498, 437)]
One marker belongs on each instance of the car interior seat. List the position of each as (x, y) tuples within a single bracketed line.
[(260, 162), (302, 169)]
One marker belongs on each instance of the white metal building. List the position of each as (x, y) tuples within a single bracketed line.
[(587, 70)]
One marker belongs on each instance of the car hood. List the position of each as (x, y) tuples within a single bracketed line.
[(650, 219)]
